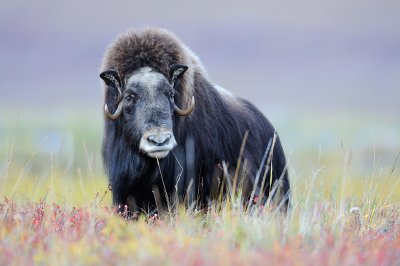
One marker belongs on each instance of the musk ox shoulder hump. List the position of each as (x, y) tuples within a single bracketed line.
[(224, 92)]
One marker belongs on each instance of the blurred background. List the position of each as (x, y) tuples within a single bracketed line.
[(326, 73)]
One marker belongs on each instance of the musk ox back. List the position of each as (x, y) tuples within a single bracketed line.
[(170, 135)]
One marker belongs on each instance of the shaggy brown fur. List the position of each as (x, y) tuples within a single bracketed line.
[(158, 49)]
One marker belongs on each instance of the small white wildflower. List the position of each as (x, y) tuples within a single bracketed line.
[(355, 210)]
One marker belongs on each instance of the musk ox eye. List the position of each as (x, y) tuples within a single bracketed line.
[(171, 96), (129, 98)]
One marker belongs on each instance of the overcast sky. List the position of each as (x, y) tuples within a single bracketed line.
[(290, 54)]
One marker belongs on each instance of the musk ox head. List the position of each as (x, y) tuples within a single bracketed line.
[(144, 104)]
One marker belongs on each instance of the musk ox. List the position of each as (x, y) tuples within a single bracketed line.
[(171, 135)]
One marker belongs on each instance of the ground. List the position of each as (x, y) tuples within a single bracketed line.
[(55, 207)]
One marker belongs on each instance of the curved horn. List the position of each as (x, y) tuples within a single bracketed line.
[(187, 111), (113, 81), (117, 112)]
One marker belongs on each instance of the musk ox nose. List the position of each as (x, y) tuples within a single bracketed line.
[(157, 143), (159, 139)]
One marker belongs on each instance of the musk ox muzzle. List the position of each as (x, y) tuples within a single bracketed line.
[(157, 143)]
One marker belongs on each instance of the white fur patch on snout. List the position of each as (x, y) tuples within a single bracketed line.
[(156, 150)]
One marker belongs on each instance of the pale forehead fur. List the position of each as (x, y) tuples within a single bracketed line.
[(147, 77)]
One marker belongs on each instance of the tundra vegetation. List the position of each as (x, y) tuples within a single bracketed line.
[(55, 207)]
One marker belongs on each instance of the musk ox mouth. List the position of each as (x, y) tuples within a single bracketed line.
[(157, 143), (158, 154)]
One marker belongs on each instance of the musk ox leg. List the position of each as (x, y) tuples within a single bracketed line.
[(272, 186), (124, 203), (282, 194), (119, 195), (223, 179), (280, 188), (263, 183), (185, 173)]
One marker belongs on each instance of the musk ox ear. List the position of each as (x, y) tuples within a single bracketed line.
[(111, 78), (176, 73)]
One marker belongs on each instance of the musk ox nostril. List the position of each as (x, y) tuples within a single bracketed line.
[(159, 139)]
